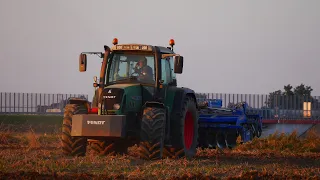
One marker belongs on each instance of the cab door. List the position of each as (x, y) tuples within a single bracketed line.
[(167, 79)]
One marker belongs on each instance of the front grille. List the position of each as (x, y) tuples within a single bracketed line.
[(112, 96)]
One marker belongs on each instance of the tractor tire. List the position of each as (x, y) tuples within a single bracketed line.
[(73, 146), (109, 147), (185, 132), (152, 133)]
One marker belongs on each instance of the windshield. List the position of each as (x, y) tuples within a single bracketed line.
[(134, 67)]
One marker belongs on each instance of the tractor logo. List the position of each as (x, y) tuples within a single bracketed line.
[(96, 122), (109, 97), (109, 91)]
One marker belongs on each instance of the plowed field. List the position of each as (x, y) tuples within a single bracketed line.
[(31, 156)]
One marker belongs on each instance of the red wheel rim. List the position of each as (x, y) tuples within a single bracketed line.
[(188, 130)]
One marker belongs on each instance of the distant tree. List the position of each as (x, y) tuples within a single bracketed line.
[(273, 98), (288, 90), (303, 90)]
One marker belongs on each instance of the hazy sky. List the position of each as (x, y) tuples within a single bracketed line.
[(238, 46)]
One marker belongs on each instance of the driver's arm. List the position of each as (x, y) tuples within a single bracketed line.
[(136, 70)]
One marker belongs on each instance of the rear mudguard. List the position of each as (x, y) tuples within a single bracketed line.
[(191, 93), (180, 95)]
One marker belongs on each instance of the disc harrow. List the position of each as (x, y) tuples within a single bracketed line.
[(221, 127)]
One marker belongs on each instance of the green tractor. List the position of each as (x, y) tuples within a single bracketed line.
[(137, 101)]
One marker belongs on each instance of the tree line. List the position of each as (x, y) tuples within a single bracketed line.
[(292, 98)]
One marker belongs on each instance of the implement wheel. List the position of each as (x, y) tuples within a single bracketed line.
[(152, 133), (185, 132), (73, 146)]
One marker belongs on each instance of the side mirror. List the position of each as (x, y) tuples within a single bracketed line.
[(178, 64), (82, 62)]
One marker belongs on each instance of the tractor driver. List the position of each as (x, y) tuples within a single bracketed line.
[(144, 71)]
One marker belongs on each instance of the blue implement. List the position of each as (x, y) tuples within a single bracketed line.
[(221, 127)]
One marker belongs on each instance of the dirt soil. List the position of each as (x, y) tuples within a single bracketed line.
[(32, 156)]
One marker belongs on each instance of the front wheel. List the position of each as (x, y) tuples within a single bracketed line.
[(152, 133), (73, 146)]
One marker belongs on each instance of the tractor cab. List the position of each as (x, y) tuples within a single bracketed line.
[(137, 63), (133, 72), (144, 64)]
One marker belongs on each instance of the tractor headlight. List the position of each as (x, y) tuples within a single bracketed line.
[(116, 106)]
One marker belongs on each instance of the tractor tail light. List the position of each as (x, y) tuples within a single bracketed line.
[(93, 111)]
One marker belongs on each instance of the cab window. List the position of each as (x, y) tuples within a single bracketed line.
[(171, 68), (166, 71)]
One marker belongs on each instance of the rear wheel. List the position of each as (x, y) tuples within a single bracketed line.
[(152, 133), (74, 146), (185, 132)]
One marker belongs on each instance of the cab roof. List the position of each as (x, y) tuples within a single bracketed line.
[(140, 47)]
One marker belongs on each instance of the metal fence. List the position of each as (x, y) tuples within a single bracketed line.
[(270, 107), (34, 103)]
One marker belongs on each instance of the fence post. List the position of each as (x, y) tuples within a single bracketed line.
[(19, 102), (36, 107), (254, 101), (23, 103), (40, 106), (10, 103), (5, 102), (27, 102), (14, 102), (31, 104)]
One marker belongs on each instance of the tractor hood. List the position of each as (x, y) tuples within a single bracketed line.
[(122, 86), (117, 91), (121, 98)]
